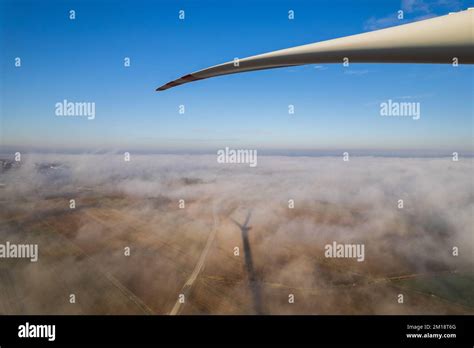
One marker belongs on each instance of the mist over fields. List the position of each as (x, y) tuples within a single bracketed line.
[(408, 251)]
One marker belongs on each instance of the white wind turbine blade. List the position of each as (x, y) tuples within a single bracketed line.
[(435, 40)]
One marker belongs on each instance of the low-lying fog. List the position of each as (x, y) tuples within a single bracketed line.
[(348, 202)]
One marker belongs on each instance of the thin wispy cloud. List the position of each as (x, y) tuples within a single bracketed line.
[(416, 97), (320, 67), (416, 9), (356, 72)]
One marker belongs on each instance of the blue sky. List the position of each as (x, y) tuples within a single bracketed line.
[(335, 107)]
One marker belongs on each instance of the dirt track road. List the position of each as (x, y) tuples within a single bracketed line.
[(197, 268)]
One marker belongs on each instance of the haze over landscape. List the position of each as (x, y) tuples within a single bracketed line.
[(136, 204), (134, 211)]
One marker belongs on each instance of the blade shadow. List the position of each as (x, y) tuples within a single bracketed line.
[(254, 284)]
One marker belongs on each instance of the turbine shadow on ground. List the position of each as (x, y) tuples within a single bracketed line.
[(253, 282)]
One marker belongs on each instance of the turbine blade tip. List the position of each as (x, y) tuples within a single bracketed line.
[(182, 80)]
